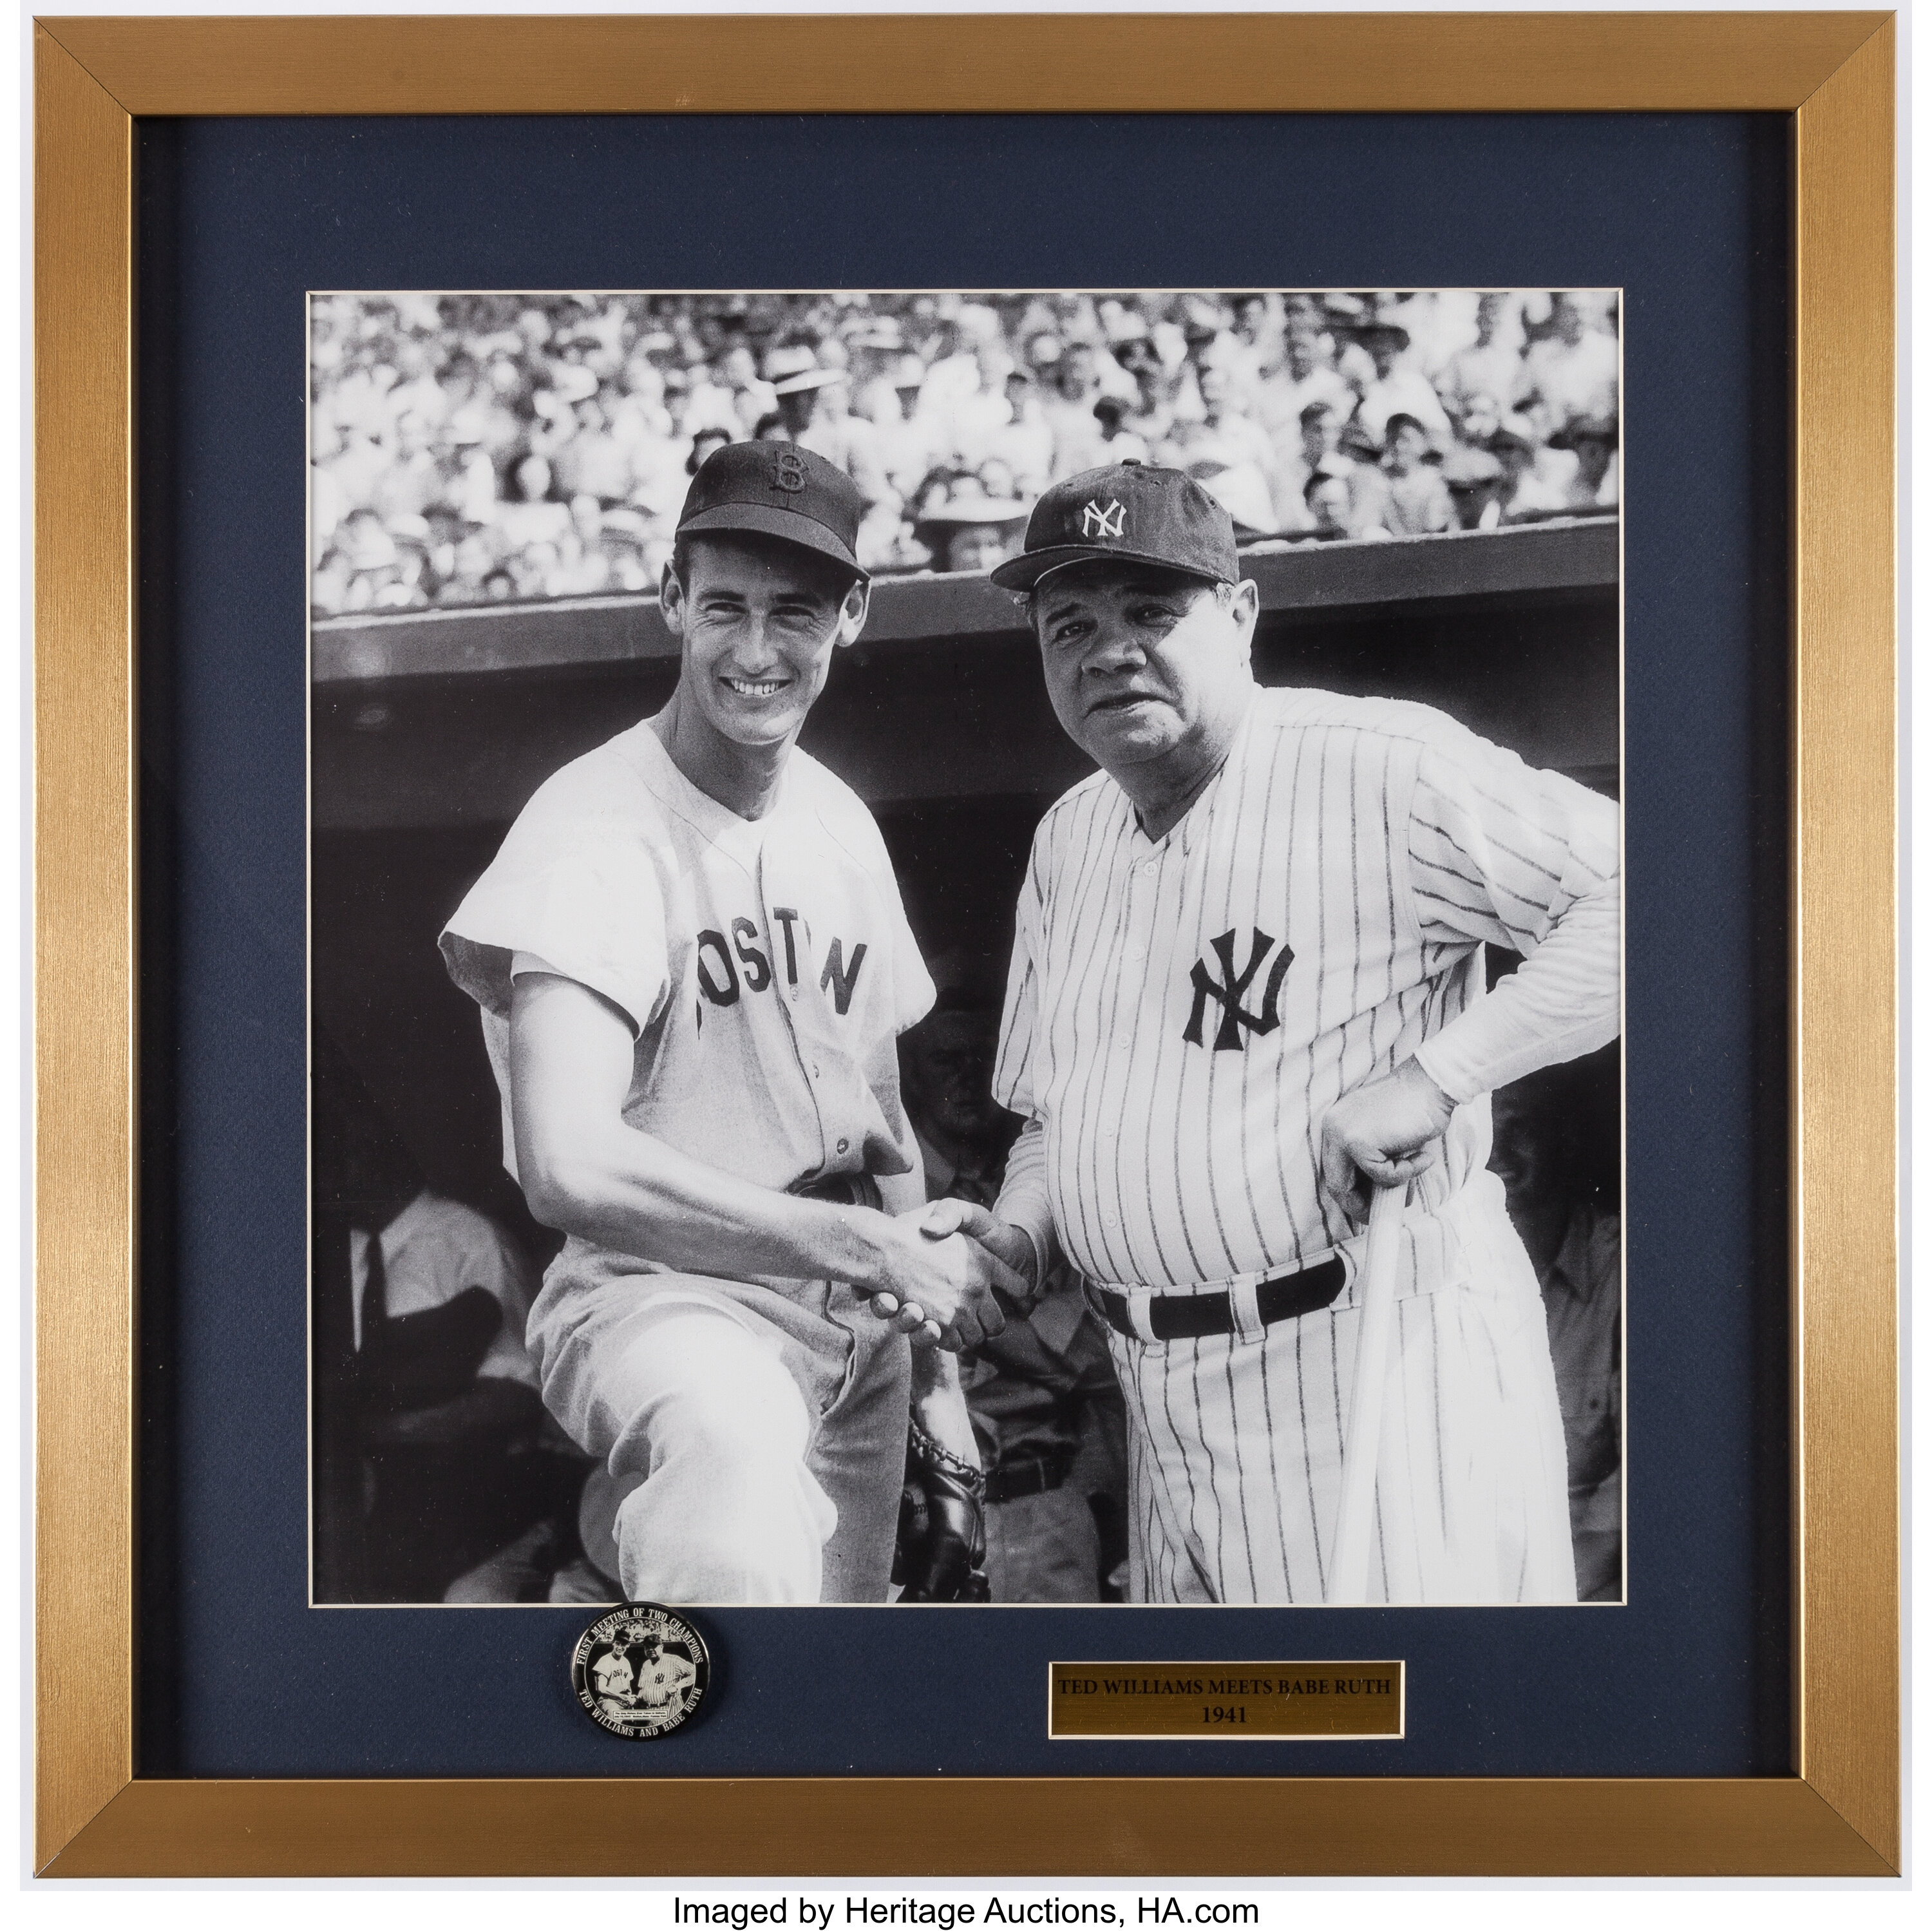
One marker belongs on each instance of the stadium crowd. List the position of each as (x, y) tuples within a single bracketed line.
[(478, 449)]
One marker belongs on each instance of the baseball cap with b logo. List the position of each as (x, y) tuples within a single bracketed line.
[(1130, 511), (776, 489)]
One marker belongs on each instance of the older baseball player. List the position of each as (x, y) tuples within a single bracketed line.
[(1247, 981), (693, 966)]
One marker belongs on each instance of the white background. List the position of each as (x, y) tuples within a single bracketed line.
[(296, 1906)]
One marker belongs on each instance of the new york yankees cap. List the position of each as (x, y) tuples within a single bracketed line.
[(1129, 510), (776, 489)]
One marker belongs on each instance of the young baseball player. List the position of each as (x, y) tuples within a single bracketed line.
[(1247, 980), (693, 966)]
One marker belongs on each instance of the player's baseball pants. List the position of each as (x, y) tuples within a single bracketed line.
[(1234, 1450), (764, 1431)]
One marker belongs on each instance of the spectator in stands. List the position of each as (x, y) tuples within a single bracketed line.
[(1522, 493), (1223, 418), (1318, 453), (491, 413), (812, 405), (1117, 443), (1240, 488), (732, 396), (1419, 502), (906, 443), (466, 476), (1489, 372), (1396, 385), (967, 529), (1368, 483), (590, 461), (1305, 375), (334, 577), (1067, 409), (1330, 506), (952, 367), (534, 515), (1592, 440), (706, 443), (1571, 373), (873, 346), (626, 541), (969, 421), (471, 566), (1472, 475), (413, 479), (1254, 346), (1024, 442), (447, 1392)]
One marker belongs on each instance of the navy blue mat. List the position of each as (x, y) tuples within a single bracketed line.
[(1687, 213)]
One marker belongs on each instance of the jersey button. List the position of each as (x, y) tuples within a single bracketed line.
[(843, 1144)]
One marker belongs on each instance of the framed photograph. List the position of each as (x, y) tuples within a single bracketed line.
[(844, 844)]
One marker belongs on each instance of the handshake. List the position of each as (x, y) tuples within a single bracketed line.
[(951, 1275)]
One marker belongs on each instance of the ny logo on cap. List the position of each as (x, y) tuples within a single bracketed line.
[(1112, 521)]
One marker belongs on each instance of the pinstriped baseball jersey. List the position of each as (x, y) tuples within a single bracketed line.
[(1181, 1012)]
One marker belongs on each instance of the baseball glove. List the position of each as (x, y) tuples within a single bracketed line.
[(941, 1555)]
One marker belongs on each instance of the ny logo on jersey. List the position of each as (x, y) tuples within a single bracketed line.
[(1112, 521), (1228, 991)]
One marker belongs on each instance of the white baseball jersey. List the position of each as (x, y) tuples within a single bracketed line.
[(766, 968), (765, 965), (1180, 1013), (662, 1681)]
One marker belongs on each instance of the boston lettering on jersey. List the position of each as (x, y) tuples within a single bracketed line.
[(719, 963)]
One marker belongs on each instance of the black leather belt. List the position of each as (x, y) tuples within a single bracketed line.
[(840, 1189), (1282, 1297), (1028, 1475)]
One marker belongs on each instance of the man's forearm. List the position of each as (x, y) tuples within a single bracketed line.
[(1023, 1202), (1561, 1002), (626, 1190)]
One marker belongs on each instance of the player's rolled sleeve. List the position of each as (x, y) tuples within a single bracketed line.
[(1527, 859), (579, 890)]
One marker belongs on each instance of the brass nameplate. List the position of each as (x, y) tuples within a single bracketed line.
[(1336, 1700)]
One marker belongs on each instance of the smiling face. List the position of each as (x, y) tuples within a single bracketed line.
[(758, 619), (1144, 665)]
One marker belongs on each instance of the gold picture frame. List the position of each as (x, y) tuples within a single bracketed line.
[(1838, 1810)]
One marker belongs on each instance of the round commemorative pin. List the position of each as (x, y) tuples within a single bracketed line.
[(641, 1672)]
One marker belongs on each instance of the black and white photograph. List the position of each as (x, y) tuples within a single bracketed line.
[(966, 947)]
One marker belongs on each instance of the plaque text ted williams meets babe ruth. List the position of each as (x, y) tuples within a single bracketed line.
[(1336, 1701)]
